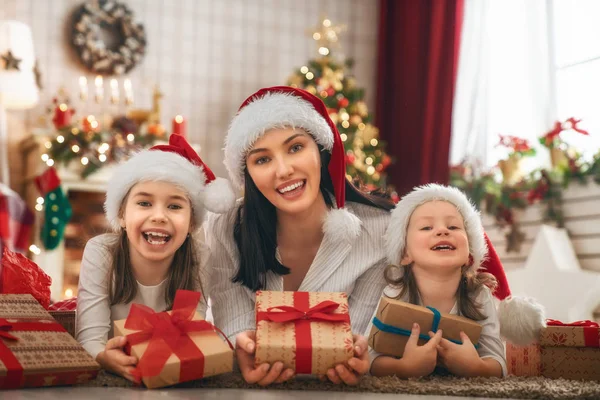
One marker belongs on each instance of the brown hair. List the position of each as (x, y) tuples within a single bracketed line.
[(183, 272), (469, 287)]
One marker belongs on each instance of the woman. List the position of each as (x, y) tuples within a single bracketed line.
[(293, 229)]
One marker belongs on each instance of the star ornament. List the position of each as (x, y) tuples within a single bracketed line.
[(10, 61), (326, 35)]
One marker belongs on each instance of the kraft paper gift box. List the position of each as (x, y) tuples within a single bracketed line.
[(175, 346), (308, 331), (569, 351), (394, 319), (35, 350), (66, 319)]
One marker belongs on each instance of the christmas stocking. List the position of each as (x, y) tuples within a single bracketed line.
[(57, 208)]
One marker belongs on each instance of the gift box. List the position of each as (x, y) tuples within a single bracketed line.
[(394, 319), (309, 332), (569, 351), (66, 319), (35, 350), (175, 346)]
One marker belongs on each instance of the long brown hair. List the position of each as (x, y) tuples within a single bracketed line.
[(467, 291), (183, 272)]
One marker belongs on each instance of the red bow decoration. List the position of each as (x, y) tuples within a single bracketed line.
[(588, 323), (5, 326), (324, 311), (591, 330), (168, 334)]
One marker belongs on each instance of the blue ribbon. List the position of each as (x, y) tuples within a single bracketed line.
[(405, 332)]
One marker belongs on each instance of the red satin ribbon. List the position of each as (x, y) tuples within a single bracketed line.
[(591, 330), (14, 374), (168, 334), (302, 315)]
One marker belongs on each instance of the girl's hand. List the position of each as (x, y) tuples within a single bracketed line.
[(357, 366), (421, 360), (460, 359), (114, 359), (264, 374)]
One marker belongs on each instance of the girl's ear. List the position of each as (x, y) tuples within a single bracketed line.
[(407, 259)]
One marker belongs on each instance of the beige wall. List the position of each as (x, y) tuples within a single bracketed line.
[(206, 55)]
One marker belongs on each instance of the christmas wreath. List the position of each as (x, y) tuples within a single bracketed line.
[(100, 17)]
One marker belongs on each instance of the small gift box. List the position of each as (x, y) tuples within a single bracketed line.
[(570, 351), (174, 346), (35, 350), (394, 319), (64, 313), (309, 332)]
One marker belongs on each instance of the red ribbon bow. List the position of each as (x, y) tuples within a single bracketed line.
[(168, 334), (5, 326), (591, 330), (302, 315)]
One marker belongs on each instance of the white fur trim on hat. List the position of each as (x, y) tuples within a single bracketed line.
[(395, 236), (341, 223), (521, 320), (273, 110), (155, 165), (219, 196)]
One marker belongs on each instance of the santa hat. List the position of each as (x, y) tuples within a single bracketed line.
[(279, 107), (520, 318), (175, 163)]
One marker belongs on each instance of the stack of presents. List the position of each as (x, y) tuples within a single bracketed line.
[(308, 332)]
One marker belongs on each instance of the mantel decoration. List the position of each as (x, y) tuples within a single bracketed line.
[(111, 17), (501, 198)]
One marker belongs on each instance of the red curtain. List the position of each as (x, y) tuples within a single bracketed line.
[(418, 54)]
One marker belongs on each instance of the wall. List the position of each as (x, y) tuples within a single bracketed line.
[(206, 55)]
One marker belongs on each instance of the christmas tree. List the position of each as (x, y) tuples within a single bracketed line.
[(327, 78)]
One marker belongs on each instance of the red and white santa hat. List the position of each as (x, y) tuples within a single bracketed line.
[(279, 107), (520, 318), (176, 163)]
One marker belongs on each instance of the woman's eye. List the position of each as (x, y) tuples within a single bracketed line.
[(261, 160), (144, 203), (296, 148)]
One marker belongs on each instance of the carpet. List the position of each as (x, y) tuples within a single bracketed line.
[(510, 387)]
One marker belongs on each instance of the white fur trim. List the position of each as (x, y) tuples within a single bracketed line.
[(155, 165), (219, 196), (273, 110), (395, 236), (342, 223), (521, 319)]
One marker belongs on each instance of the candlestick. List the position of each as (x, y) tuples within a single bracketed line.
[(179, 125), (128, 92), (83, 88), (99, 89), (114, 91)]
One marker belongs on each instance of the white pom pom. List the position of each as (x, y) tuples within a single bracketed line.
[(521, 319), (219, 196), (342, 223)]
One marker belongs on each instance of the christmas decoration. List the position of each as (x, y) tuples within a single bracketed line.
[(10, 61), (511, 167), (117, 19), (326, 78), (57, 208)]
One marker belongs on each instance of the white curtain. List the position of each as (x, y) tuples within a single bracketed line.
[(506, 78)]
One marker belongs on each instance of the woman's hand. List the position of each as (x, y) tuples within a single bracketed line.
[(264, 374), (114, 359), (357, 366)]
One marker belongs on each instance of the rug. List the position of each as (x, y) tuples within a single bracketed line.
[(510, 387)]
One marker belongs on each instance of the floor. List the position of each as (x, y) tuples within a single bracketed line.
[(195, 394)]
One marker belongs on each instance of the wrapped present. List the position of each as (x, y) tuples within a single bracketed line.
[(20, 275), (35, 350), (66, 319), (569, 351), (309, 332), (174, 346), (394, 319)]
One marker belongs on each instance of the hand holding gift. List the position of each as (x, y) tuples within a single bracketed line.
[(262, 374), (114, 359), (460, 359)]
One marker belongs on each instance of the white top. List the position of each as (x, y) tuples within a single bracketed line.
[(490, 344), (354, 266), (94, 313)]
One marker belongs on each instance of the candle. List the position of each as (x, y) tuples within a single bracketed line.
[(114, 91), (179, 125), (128, 92), (62, 116), (83, 88), (99, 89)]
